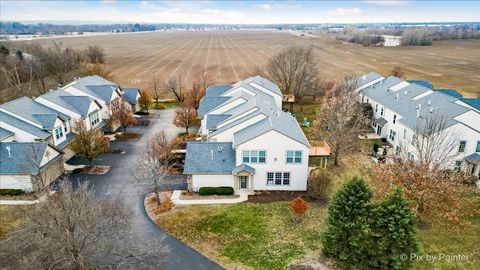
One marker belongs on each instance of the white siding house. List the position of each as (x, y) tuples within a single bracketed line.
[(401, 108), (250, 144)]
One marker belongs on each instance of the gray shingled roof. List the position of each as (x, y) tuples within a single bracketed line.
[(130, 94), (5, 133), (217, 90), (380, 121), (265, 83), (105, 92), (209, 158), (214, 119), (475, 157), (25, 157), (405, 107), (371, 76), (20, 124), (209, 103), (95, 86), (243, 167), (34, 112), (474, 102), (77, 104), (70, 137), (281, 122), (234, 123)]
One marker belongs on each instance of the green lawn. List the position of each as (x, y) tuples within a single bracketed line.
[(165, 105)]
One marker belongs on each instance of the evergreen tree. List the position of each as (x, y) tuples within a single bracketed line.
[(393, 233), (346, 236)]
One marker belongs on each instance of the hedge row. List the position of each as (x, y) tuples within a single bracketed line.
[(216, 191), (10, 191)]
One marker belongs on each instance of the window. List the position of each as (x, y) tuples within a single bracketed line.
[(58, 132), (394, 118), (477, 149), (294, 156), (458, 165), (66, 128), (278, 178), (461, 147), (269, 178), (94, 119), (381, 112), (410, 156), (286, 178), (404, 133), (376, 107), (398, 149), (254, 156), (392, 135)]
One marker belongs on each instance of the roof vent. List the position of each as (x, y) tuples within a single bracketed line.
[(211, 154), (431, 109), (364, 77), (418, 112), (429, 102), (9, 150), (220, 149), (396, 96), (419, 106), (405, 93)]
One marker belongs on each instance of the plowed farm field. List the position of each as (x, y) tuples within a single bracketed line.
[(136, 58)]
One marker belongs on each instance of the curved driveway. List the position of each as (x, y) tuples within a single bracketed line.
[(121, 183)]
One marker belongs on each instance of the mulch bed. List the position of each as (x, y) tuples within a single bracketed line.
[(128, 136), (195, 196), (276, 195), (93, 170)]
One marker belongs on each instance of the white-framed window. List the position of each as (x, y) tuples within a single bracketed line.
[(398, 149), (66, 128), (392, 135), (278, 178), (254, 156), (58, 132), (458, 165), (94, 118), (462, 146), (394, 118), (381, 112), (477, 149), (294, 157), (410, 156), (404, 133), (376, 107)]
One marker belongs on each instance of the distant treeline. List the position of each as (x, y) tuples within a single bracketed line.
[(410, 35)]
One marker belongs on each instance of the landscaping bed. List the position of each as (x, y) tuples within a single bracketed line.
[(97, 169), (127, 136), (185, 195), (269, 196)]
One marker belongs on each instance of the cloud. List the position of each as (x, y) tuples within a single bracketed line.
[(109, 1), (387, 3), (345, 11), (206, 15), (272, 6)]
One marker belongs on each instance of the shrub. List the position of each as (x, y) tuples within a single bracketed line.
[(11, 191), (204, 191), (319, 184), (164, 207)]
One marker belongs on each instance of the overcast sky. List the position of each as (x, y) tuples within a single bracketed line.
[(241, 12)]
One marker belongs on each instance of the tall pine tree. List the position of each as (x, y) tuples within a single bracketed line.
[(346, 234), (393, 233)]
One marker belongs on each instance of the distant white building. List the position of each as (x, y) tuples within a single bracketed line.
[(400, 107), (250, 143)]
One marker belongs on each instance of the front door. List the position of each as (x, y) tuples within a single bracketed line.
[(243, 182)]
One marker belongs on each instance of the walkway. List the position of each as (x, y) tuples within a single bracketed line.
[(177, 201), (120, 181)]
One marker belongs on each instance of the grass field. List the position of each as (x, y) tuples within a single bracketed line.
[(135, 58)]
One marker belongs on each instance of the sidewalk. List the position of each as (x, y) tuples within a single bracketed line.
[(177, 201)]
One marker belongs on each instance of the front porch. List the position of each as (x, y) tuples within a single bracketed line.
[(244, 176)]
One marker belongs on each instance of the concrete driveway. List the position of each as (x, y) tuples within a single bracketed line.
[(121, 183)]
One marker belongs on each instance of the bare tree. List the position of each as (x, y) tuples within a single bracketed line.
[(155, 163), (185, 117), (95, 54), (203, 77), (58, 61), (254, 71), (194, 95), (145, 101), (294, 70), (89, 143), (433, 143), (341, 119), (398, 72), (156, 92), (72, 229), (88, 69), (175, 86), (122, 114)]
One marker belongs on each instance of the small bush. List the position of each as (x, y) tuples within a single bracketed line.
[(164, 207), (319, 185), (205, 191), (11, 191)]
